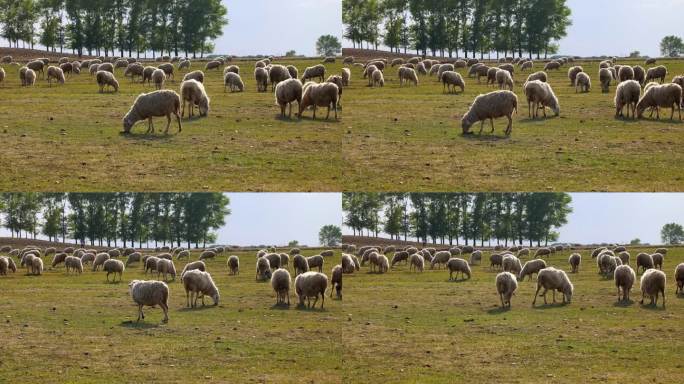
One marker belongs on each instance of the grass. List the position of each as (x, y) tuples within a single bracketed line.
[(409, 139), (80, 329), (400, 327), (67, 138)]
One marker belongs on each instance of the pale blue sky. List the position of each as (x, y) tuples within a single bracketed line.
[(618, 217), (273, 27)]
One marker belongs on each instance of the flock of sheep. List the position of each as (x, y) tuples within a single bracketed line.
[(611, 263), (537, 91), (196, 281), (284, 80)]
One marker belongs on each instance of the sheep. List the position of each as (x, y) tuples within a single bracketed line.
[(4, 265), (679, 278), (88, 258), (378, 79), (441, 257), (574, 260), (311, 284), (261, 77), (280, 281), (455, 251), (472, 62), (300, 264), (645, 261), (511, 264), (530, 268), (624, 257), (7, 59), (639, 74), (55, 73), (184, 64), (399, 256), (605, 77), (572, 74), (133, 70), (37, 266), (166, 267), (234, 265), (481, 70), (541, 252), (316, 261), (199, 265), (194, 75), (154, 104), (491, 75), (627, 94), (113, 266), (526, 65), (408, 75), (234, 81), (106, 67), (276, 74), (490, 106), (183, 254), (147, 74), (539, 96), (495, 260), (193, 93), (657, 260), (451, 80), (656, 73), (94, 68), (99, 260), (475, 257), (320, 95), (625, 73), (624, 280), (416, 262), (541, 76), (582, 83), (397, 61), (57, 259), (273, 260), (336, 281), (368, 73), (168, 69), (28, 78), (457, 265), (106, 79), (379, 64), (605, 64), (11, 265), (457, 64), (197, 284), (114, 253), (27, 261), (555, 280), (346, 76), (653, 282), (158, 78), (348, 265), (506, 285), (661, 96), (150, 263), (150, 293), (214, 64), (420, 68), (263, 269), (37, 66), (317, 71), (552, 65), (607, 264)]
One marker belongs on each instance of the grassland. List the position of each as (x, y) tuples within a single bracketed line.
[(400, 327), (409, 139), (67, 138)]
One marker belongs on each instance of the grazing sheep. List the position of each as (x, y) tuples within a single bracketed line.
[(106, 79), (504, 79), (273, 260), (194, 75), (168, 69), (58, 258), (382, 263), (4, 265), (158, 78), (207, 254), (276, 74), (147, 74), (521, 252), (582, 83), (214, 64), (73, 263), (491, 75), (346, 76), (645, 261), (197, 284), (261, 77), (199, 265), (154, 104), (336, 281), (679, 278), (624, 280), (626, 73), (555, 280), (320, 95), (280, 281), (194, 94), (397, 61), (28, 78), (639, 74), (441, 257), (263, 269), (300, 264), (662, 251), (539, 96), (511, 264), (317, 71), (495, 260), (378, 79), (150, 293), (653, 282), (113, 266), (574, 260), (234, 265), (37, 266), (490, 106), (526, 65), (541, 76), (87, 258), (552, 65), (185, 64), (455, 251), (55, 73), (624, 257), (627, 94), (475, 257), (311, 284), (408, 75), (506, 285), (150, 263), (650, 61), (348, 265), (661, 96), (457, 265), (134, 70), (183, 254), (315, 262), (368, 73), (37, 66), (605, 77), (657, 260), (541, 252), (286, 93), (100, 258), (166, 267), (399, 256), (451, 80), (416, 262), (656, 73), (233, 81), (114, 253), (530, 268), (106, 67)]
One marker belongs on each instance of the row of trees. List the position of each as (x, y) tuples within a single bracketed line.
[(104, 27), (116, 218), (452, 217), (447, 27)]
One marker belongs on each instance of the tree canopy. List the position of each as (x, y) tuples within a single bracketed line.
[(328, 45), (452, 27), (671, 46), (330, 235), (672, 233)]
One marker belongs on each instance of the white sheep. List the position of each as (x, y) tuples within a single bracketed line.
[(286, 93), (555, 280), (55, 73), (194, 75), (653, 282), (263, 269), (311, 284), (113, 266), (346, 76), (645, 261), (280, 281), (490, 106), (150, 293), (511, 264), (506, 285), (679, 278), (300, 264), (193, 93), (158, 78), (166, 267), (539, 96), (317, 71), (378, 79), (416, 262), (154, 104), (336, 281), (574, 260), (99, 260), (451, 80), (233, 81), (457, 265), (627, 94), (316, 261), (582, 83), (530, 268), (199, 265), (234, 265), (408, 75), (320, 95), (37, 266), (383, 264), (197, 284), (504, 79), (661, 96), (624, 277)]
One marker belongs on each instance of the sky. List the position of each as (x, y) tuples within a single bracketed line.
[(617, 217), (275, 218), (273, 27), (618, 27)]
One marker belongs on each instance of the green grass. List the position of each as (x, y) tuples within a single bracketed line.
[(409, 139), (400, 327), (82, 329), (67, 138)]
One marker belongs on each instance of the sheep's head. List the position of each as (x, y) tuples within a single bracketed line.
[(216, 296), (127, 124), (466, 123), (204, 106)]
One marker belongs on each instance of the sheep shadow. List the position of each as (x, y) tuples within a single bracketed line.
[(295, 119), (652, 307), (485, 136), (498, 310), (538, 119), (199, 307), (280, 307), (143, 136), (624, 304), (131, 324), (321, 120), (549, 306), (461, 280), (111, 282), (304, 308)]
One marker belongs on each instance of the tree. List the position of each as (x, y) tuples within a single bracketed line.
[(293, 244), (671, 46), (672, 233), (328, 45), (635, 54), (636, 241), (291, 53), (330, 235)]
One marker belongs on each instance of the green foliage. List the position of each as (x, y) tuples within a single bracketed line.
[(636, 241), (293, 243), (671, 46), (330, 235), (328, 45), (290, 53), (635, 54), (672, 233)]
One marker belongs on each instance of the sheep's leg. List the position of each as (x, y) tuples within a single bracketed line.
[(140, 313), (491, 121), (328, 115), (536, 294), (165, 308), (502, 299), (510, 125)]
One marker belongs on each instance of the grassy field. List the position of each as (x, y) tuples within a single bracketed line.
[(81, 329), (409, 139), (67, 138), (401, 327)]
